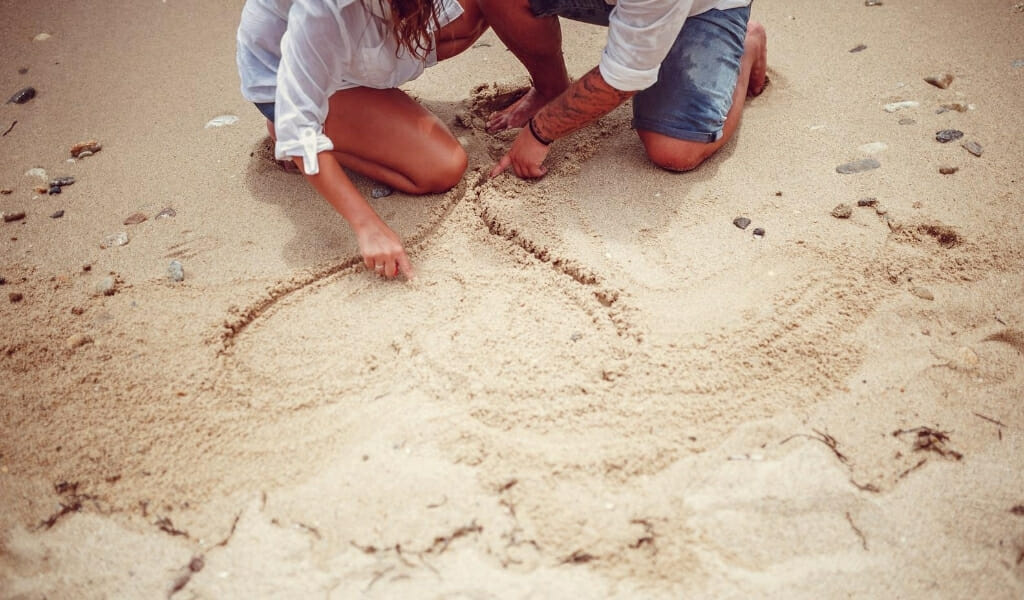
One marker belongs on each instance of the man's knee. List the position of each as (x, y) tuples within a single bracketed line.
[(679, 157)]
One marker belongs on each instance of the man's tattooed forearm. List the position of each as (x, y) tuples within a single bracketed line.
[(586, 100)]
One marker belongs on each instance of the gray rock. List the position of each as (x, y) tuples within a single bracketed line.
[(58, 214), (381, 191), (106, 287), (62, 181), (23, 95), (948, 135), (166, 213), (54, 189), (842, 211), (858, 48), (872, 2), (759, 232), (907, 121), (741, 222), (974, 148), (858, 166), (940, 81), (175, 272), (867, 202), (114, 239)]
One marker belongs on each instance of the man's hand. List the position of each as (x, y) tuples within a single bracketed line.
[(525, 157), (382, 250)]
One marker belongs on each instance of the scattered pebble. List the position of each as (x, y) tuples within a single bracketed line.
[(114, 239), (872, 2), (6, 192), (381, 191), (62, 181), (741, 222), (858, 166), (41, 37), (898, 106), (83, 149), (166, 213), (53, 190), (37, 172), (3, 281), (759, 232), (923, 293), (135, 218), (842, 211), (15, 297), (22, 70), (222, 121), (858, 48), (957, 106), (948, 170), (974, 148), (14, 216), (175, 271), (106, 286), (58, 214), (22, 96), (874, 148), (948, 135), (940, 81), (77, 341), (906, 121), (1017, 64), (881, 211), (87, 268), (77, 311)]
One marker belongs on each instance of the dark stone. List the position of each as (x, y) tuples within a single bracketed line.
[(759, 232), (858, 166), (948, 170), (741, 222), (14, 216), (867, 202), (58, 214), (842, 211), (948, 135), (15, 297), (62, 181), (23, 95), (858, 48), (54, 189), (22, 70)]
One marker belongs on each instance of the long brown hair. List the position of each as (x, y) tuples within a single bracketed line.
[(412, 22)]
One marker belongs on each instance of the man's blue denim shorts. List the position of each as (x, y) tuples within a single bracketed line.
[(697, 79)]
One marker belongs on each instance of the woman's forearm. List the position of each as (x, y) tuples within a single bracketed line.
[(339, 191)]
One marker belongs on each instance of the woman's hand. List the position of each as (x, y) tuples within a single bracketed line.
[(382, 250)]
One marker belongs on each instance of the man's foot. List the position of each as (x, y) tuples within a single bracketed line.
[(757, 45), (518, 113)]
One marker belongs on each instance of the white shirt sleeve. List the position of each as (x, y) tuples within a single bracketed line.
[(312, 49), (640, 35)]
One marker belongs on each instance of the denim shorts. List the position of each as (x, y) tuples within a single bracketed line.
[(267, 108), (697, 79)]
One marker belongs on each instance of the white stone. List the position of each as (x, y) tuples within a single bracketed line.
[(898, 106)]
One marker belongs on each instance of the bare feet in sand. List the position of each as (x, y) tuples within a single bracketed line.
[(518, 113), (757, 44)]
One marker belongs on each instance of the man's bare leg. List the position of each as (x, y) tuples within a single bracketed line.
[(683, 155), (537, 43)]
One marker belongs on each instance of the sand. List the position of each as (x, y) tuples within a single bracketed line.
[(597, 387)]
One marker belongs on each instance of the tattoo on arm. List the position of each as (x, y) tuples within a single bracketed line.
[(586, 100)]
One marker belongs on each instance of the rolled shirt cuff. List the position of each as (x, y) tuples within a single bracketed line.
[(627, 79), (308, 146)]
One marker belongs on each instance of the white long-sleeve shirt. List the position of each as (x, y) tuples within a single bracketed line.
[(297, 53), (640, 35)]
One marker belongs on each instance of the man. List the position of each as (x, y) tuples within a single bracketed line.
[(687, 64)]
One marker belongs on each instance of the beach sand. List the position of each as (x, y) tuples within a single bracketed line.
[(596, 387)]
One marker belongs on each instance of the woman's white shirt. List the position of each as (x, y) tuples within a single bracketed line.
[(297, 53)]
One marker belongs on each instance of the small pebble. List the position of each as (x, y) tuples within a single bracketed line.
[(175, 271), (906, 121), (54, 190), (22, 70), (759, 232), (23, 95), (940, 81), (87, 268), (222, 121), (37, 172), (106, 287), (957, 106), (14, 216), (135, 219), (858, 166), (381, 191), (948, 135), (3, 281), (58, 214), (77, 341), (15, 297), (62, 181), (842, 211), (898, 106), (948, 170), (858, 48), (974, 148), (923, 293), (41, 37), (741, 222), (114, 239), (6, 192), (867, 202), (872, 2), (79, 150), (166, 213), (77, 311)]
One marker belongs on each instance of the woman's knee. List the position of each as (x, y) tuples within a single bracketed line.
[(445, 171)]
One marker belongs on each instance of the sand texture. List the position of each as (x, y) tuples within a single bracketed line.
[(597, 386)]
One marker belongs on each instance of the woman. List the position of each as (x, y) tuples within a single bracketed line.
[(326, 73)]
